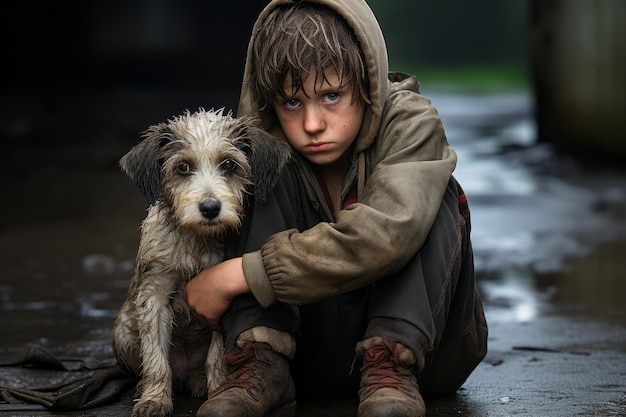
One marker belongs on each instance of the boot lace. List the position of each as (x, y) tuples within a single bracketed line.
[(242, 370), (381, 370)]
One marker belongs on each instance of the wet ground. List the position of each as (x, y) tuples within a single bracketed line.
[(548, 232)]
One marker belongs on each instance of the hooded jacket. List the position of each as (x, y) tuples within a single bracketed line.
[(401, 166)]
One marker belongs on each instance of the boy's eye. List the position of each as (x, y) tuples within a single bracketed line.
[(292, 102), (332, 96)]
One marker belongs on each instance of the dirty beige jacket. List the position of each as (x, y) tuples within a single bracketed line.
[(401, 166)]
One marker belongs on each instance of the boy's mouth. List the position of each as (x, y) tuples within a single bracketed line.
[(317, 147)]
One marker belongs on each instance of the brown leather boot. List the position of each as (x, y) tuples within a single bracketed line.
[(258, 382), (388, 382)]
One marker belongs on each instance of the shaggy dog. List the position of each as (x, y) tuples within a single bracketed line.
[(194, 171)]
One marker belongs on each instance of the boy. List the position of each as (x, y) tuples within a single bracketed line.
[(368, 233)]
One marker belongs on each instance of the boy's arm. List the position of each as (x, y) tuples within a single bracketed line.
[(375, 237), (211, 292)]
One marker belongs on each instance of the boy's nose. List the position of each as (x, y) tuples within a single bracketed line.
[(313, 120)]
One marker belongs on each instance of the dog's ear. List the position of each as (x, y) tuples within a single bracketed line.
[(144, 161), (267, 157)]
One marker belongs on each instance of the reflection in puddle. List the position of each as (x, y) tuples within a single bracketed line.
[(592, 286), (91, 306), (531, 208), (589, 287), (511, 297), (28, 306), (540, 220), (105, 264)]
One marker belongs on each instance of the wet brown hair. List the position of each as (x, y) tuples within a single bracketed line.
[(301, 39)]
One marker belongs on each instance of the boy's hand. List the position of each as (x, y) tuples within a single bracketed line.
[(210, 293)]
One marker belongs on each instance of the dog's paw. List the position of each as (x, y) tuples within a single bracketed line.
[(153, 409)]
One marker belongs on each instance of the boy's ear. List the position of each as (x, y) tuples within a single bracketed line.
[(266, 155), (144, 161)]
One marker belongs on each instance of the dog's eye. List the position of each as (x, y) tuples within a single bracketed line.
[(183, 168), (228, 165)]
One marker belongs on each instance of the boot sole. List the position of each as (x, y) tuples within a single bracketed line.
[(287, 410)]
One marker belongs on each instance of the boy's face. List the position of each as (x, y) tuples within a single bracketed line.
[(322, 126)]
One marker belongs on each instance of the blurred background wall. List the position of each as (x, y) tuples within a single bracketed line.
[(579, 73), (139, 61), (53, 46)]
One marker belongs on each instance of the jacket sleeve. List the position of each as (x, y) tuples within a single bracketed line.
[(410, 165)]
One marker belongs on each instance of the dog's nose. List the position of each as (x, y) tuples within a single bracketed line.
[(210, 208)]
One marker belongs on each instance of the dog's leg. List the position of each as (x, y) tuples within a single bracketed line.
[(126, 339), (215, 365), (155, 318)]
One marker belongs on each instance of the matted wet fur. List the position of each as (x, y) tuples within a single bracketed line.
[(194, 171)]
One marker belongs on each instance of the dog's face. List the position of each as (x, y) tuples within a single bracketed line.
[(202, 164), (205, 178)]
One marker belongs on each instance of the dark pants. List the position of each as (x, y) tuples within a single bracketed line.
[(431, 305)]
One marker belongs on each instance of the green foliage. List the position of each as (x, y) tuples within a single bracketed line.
[(488, 79), (452, 42)]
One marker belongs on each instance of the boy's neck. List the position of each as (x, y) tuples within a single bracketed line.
[(333, 176)]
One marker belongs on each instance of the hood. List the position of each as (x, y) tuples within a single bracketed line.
[(369, 34)]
